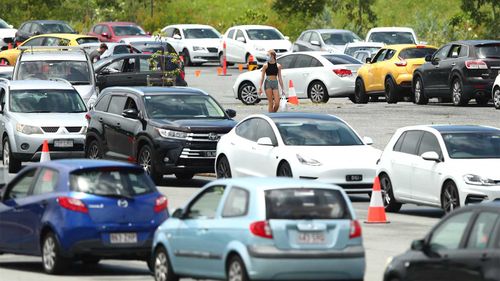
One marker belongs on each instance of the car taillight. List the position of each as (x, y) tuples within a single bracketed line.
[(475, 64), (183, 74), (72, 204), (355, 231), (87, 116), (261, 229), (342, 72), (401, 62), (161, 203)]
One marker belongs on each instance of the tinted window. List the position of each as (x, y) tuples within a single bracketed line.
[(57, 28), (76, 72), (236, 203), (399, 143), (340, 38), (472, 145), (248, 129), (390, 53), (442, 53), (429, 143), (449, 234), (306, 36), (35, 42), (341, 59), (124, 30), (102, 104), (263, 34), (482, 231), (22, 186), (230, 34), (380, 55), (205, 206), (46, 182), (200, 33), (44, 101), (410, 142), (98, 29), (26, 27), (415, 53), (454, 51), (303, 61), (265, 130), (391, 38), (305, 203), (286, 61), (182, 107), (488, 51), (117, 104)]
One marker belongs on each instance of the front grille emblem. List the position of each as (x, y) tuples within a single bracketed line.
[(122, 203), (213, 137)]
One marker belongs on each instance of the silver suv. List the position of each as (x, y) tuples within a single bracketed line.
[(32, 111)]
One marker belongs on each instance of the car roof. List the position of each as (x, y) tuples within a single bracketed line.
[(47, 21), (391, 28), (365, 44), (304, 115), (463, 128), (156, 90), (263, 183), (249, 26), (39, 84), (475, 42), (51, 56), (405, 46), (329, 30), (69, 165), (112, 23)]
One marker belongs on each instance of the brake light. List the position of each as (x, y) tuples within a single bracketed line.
[(87, 116), (261, 229), (72, 204), (355, 231), (342, 72), (475, 64), (401, 62), (161, 203), (420, 46)]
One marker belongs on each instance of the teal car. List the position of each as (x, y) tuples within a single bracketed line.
[(262, 229)]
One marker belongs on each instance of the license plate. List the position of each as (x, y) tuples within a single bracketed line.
[(311, 238), (121, 238), (354, 177), (63, 143), (210, 153)]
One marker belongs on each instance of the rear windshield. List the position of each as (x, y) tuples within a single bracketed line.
[(305, 203), (112, 182), (416, 53), (200, 33), (488, 51), (86, 40), (341, 59), (76, 72), (390, 38), (57, 28)]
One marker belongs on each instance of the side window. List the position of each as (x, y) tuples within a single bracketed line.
[(34, 42), (98, 29), (240, 34), (429, 143), (102, 104), (236, 204), (52, 41), (22, 186), (302, 61), (442, 53), (482, 230), (205, 206), (315, 62), (449, 234), (306, 37), (176, 32), (286, 61), (26, 27), (169, 32), (105, 29), (230, 35), (117, 104), (147, 65), (265, 130), (464, 51), (130, 104), (454, 51), (35, 28), (46, 182), (116, 66), (399, 143), (411, 141), (248, 129), (389, 54), (380, 55), (314, 37)]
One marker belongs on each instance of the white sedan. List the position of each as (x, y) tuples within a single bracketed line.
[(445, 166), (300, 145), (315, 75)]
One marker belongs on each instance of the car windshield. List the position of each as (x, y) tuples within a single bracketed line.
[(264, 34), (341, 59), (109, 181), (392, 37), (340, 38), (351, 50), (182, 107), (305, 203), (3, 24), (416, 53), (153, 46), (200, 33), (295, 131), (127, 30), (488, 51), (86, 40), (76, 72), (46, 101), (57, 28), (473, 145)]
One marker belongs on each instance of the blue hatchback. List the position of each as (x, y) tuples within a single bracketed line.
[(262, 229), (85, 210)]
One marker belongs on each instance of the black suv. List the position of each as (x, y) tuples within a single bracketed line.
[(38, 27), (458, 72), (167, 130)]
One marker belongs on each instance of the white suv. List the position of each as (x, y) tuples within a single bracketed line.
[(195, 42), (245, 40), (392, 35)]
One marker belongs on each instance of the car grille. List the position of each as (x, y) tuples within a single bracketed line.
[(50, 129), (188, 153), (73, 129), (212, 50), (204, 137)]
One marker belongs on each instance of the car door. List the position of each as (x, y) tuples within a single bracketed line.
[(127, 129), (241, 146), (301, 43), (264, 157), (382, 69), (229, 40), (444, 68), (119, 72), (149, 70), (239, 46), (372, 71), (432, 77), (303, 69), (111, 122)]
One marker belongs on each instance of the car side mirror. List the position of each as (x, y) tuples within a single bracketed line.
[(36, 33), (428, 57), (418, 245), (176, 36), (315, 43), (104, 71), (241, 39), (104, 34), (178, 213), (287, 37), (265, 141), (368, 60), (131, 113), (231, 113), (431, 156), (368, 140)]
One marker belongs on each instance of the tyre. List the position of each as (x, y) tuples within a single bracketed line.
[(163, 270), (391, 91), (419, 96), (284, 170), (496, 97), (8, 159), (52, 260), (450, 199), (223, 170), (187, 58), (457, 93), (248, 93), (360, 95), (482, 100), (145, 160), (94, 150), (236, 270), (317, 92), (390, 203), (352, 98), (184, 176)]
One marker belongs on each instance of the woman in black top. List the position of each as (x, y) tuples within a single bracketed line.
[(272, 71)]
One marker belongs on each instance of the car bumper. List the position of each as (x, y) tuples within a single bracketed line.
[(339, 176), (478, 85), (198, 56), (34, 146), (342, 87), (472, 194)]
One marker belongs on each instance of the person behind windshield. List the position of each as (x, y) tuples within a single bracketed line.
[(272, 71), (96, 54)]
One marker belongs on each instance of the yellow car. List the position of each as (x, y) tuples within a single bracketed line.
[(389, 73), (9, 57)]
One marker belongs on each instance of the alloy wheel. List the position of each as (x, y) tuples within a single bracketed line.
[(285, 170), (386, 190), (93, 151), (496, 98), (418, 91), (248, 94), (450, 198), (235, 272), (49, 253), (457, 93), (317, 93), (161, 267), (223, 168), (6, 154), (145, 160)]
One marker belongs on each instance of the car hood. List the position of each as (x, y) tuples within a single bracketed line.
[(196, 125), (208, 42), (351, 155), (481, 167), (272, 44), (85, 91), (7, 33), (51, 119)]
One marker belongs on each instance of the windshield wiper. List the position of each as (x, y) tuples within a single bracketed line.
[(40, 111), (80, 82)]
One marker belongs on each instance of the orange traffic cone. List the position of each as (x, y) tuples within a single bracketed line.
[(45, 152), (376, 211), (251, 63), (292, 96)]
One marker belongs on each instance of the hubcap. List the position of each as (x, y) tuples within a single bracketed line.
[(161, 268), (93, 151), (317, 93), (496, 98), (49, 254), (457, 92), (450, 199), (145, 161), (249, 94), (235, 272), (417, 91), (386, 189), (6, 154)]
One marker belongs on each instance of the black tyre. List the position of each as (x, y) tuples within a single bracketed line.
[(450, 199), (482, 100), (145, 160), (360, 95), (352, 98), (390, 203), (496, 97), (248, 93), (457, 93), (284, 170), (52, 260), (223, 169), (419, 96), (187, 58), (391, 91), (317, 92), (94, 150), (184, 176), (8, 158), (163, 270), (236, 270)]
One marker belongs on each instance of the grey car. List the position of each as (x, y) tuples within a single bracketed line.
[(330, 40), (33, 111)]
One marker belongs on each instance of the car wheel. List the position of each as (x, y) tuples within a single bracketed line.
[(450, 199), (145, 160), (482, 100), (360, 95), (390, 203), (8, 159), (236, 270), (496, 97), (223, 170), (457, 93), (352, 98), (284, 170), (187, 58), (94, 150), (318, 93), (162, 268), (419, 96), (90, 261), (184, 176), (391, 92), (53, 262), (248, 93)]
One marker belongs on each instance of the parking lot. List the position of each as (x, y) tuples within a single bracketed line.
[(377, 120)]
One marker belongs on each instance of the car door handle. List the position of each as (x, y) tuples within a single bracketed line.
[(253, 148), (453, 64), (118, 125), (232, 143), (100, 119)]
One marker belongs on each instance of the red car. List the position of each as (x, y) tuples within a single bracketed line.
[(116, 31)]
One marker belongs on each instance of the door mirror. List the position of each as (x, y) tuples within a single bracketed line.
[(368, 60), (368, 140), (176, 36), (104, 71), (265, 141), (315, 43), (241, 39), (178, 213), (36, 33), (131, 113), (231, 113), (105, 35), (418, 245), (287, 38), (431, 156), (428, 57)]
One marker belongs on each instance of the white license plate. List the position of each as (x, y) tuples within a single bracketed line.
[(311, 238), (120, 238), (63, 143)]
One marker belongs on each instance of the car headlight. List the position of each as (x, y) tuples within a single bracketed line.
[(308, 161), (172, 134), (259, 49), (28, 130), (84, 130), (478, 180), (198, 48)]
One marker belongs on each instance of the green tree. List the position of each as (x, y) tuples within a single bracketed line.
[(485, 14)]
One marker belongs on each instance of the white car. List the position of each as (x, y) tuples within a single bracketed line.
[(372, 47), (245, 40), (392, 35), (195, 42), (330, 40), (299, 145), (6, 31), (445, 166), (495, 93), (315, 75)]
